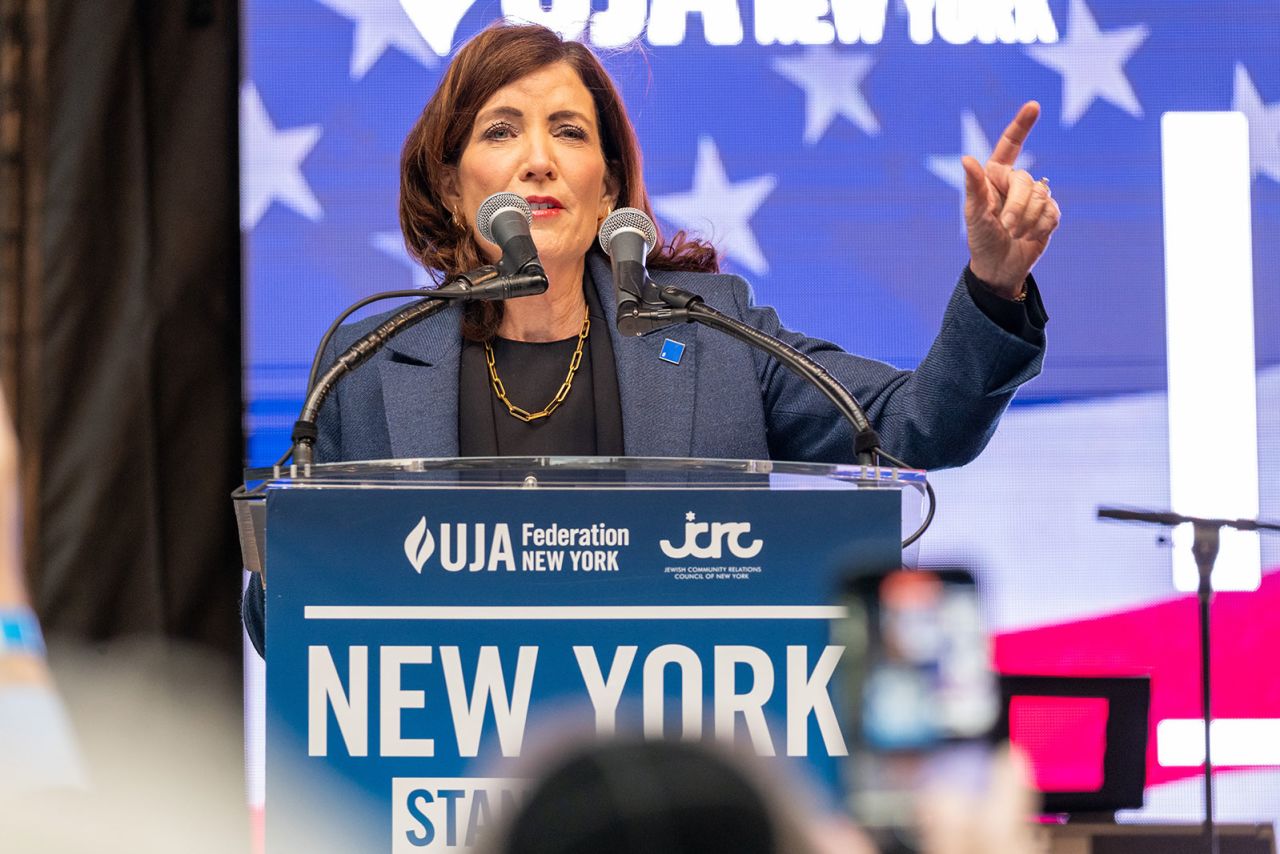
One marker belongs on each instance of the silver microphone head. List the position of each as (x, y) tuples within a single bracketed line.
[(627, 219), (496, 204)]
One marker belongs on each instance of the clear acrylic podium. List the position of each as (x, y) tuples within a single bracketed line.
[(433, 624)]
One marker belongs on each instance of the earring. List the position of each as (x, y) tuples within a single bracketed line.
[(457, 223)]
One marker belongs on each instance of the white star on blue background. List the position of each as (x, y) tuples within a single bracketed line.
[(1091, 63), (271, 163), (719, 209), (1264, 125), (380, 24), (832, 87)]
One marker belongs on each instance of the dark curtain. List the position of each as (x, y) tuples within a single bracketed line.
[(131, 323)]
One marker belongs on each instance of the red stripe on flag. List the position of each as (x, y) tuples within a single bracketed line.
[(1163, 641)]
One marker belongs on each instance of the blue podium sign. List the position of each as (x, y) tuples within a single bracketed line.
[(420, 639)]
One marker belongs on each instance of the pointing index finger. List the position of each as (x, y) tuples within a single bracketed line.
[(1010, 144)]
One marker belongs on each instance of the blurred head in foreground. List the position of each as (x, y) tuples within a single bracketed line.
[(637, 797)]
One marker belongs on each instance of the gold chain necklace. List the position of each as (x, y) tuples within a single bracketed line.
[(523, 414)]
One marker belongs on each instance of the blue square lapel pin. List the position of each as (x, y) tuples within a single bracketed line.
[(672, 351)]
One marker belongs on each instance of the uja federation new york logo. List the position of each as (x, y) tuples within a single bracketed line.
[(480, 546), (493, 546)]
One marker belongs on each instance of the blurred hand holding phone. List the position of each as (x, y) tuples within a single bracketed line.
[(921, 700)]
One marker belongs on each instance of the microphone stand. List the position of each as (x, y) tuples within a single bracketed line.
[(659, 307), (305, 431), (483, 284), (664, 306), (1205, 550)]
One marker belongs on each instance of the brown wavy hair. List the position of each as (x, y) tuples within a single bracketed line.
[(497, 57)]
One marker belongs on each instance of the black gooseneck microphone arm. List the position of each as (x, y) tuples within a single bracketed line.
[(663, 306), (679, 305), (627, 235), (462, 289), (502, 218), (305, 431)]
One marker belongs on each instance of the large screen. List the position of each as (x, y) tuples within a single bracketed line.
[(817, 143)]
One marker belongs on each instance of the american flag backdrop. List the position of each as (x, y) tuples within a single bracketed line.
[(818, 144)]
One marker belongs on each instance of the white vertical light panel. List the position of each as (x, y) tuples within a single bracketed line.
[(1213, 417)]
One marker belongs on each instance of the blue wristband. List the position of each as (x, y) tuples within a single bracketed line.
[(20, 632)]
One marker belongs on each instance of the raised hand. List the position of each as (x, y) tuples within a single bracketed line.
[(1008, 215), (960, 820)]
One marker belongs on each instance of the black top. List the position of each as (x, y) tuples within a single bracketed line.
[(589, 422), (1024, 318)]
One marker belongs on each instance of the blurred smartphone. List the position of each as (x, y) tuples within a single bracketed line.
[(918, 694)]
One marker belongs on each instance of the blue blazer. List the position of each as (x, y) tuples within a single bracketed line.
[(723, 400)]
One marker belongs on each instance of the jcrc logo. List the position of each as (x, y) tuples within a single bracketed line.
[(718, 535)]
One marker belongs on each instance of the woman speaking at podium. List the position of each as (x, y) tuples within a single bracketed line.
[(522, 111)]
